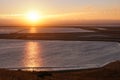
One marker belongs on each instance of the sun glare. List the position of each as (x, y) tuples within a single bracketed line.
[(33, 16)]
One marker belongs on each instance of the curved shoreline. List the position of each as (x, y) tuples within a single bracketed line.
[(110, 71)]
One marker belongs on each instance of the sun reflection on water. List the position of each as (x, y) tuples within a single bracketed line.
[(32, 57), (32, 30)]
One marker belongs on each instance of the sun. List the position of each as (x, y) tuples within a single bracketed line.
[(33, 16)]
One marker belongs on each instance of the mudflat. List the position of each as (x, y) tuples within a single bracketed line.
[(97, 34)]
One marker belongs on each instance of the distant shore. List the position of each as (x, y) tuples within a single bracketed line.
[(110, 71), (99, 34)]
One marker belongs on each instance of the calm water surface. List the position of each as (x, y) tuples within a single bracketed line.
[(20, 53), (36, 53), (40, 30)]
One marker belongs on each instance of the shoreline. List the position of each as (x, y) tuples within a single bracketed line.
[(110, 71), (79, 36), (97, 34)]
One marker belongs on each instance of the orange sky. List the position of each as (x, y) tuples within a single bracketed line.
[(13, 12)]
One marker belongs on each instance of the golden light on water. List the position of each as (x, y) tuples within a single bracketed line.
[(33, 52), (32, 30), (32, 55)]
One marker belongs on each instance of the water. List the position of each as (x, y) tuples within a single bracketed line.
[(85, 54), (40, 30), (37, 53)]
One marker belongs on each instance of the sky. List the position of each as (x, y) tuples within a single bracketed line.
[(12, 11)]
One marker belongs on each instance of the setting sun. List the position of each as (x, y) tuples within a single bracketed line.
[(33, 16)]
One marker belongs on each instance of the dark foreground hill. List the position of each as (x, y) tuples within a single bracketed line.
[(110, 71)]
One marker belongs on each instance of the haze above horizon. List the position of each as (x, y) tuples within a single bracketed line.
[(14, 12)]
